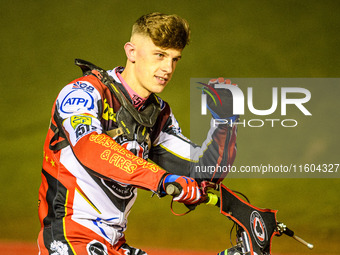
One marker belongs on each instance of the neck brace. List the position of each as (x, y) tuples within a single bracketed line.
[(133, 124)]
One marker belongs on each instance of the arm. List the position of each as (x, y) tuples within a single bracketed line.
[(78, 112), (178, 155), (212, 160)]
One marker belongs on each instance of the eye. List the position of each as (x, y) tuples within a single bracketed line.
[(160, 55)]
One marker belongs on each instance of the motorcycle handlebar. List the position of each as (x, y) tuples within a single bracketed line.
[(289, 232), (209, 199), (172, 190)]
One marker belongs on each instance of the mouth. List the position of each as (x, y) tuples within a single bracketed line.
[(162, 80)]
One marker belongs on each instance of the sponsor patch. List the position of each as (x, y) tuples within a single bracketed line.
[(258, 229), (80, 119), (108, 113), (96, 248), (83, 129), (76, 100), (84, 86), (119, 190)]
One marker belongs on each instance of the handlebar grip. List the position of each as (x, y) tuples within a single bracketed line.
[(172, 190), (212, 199), (289, 232)]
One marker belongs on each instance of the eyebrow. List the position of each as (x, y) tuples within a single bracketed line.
[(167, 54)]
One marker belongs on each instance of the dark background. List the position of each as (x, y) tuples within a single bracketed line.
[(245, 39)]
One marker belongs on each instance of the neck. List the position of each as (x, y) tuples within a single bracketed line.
[(136, 98), (130, 79)]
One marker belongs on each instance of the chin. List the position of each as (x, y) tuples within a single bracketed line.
[(157, 88)]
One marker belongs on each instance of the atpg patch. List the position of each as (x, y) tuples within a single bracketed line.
[(80, 119), (258, 229)]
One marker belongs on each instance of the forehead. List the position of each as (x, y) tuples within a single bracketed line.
[(145, 43)]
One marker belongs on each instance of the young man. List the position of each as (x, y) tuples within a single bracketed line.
[(104, 127)]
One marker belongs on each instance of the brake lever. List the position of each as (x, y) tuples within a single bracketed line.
[(283, 229)]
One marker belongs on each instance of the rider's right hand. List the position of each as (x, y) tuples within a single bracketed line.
[(190, 191)]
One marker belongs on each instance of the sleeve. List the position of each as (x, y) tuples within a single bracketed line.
[(208, 162), (78, 111)]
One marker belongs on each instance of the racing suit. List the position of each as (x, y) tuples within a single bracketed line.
[(90, 179)]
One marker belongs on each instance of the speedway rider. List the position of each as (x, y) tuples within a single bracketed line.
[(104, 127)]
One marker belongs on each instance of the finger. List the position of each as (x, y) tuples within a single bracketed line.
[(195, 198), (195, 195), (221, 80), (180, 196), (227, 81)]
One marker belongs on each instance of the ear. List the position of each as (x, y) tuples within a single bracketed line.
[(130, 51)]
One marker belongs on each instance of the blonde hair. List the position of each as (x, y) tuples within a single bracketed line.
[(166, 31)]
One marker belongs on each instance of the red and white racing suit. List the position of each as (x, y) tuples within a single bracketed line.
[(89, 179)]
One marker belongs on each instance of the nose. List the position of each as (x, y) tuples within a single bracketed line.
[(167, 66)]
